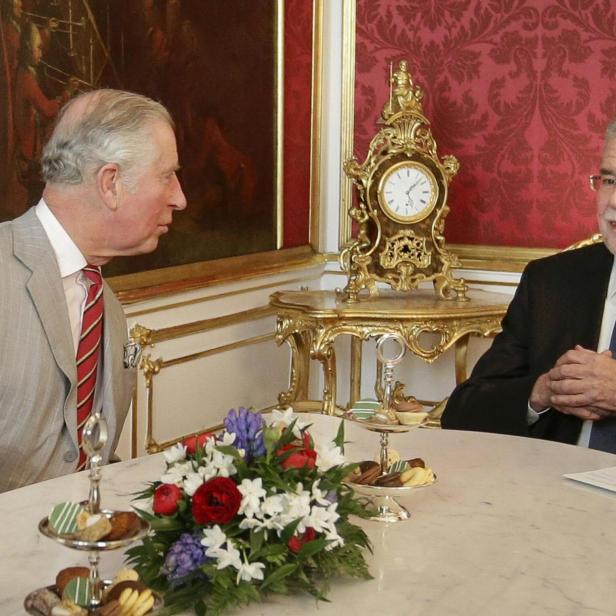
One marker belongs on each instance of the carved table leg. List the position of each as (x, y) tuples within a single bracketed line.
[(300, 369), (356, 355), (327, 357), (461, 350)]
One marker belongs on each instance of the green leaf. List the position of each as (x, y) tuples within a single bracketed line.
[(312, 547), (256, 540), (278, 574), (229, 450), (339, 440), (289, 530)]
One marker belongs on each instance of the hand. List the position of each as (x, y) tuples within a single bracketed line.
[(583, 383)]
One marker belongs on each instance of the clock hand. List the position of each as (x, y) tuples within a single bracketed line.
[(413, 186)]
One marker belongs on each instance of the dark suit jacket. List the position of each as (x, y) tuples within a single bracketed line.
[(558, 304)]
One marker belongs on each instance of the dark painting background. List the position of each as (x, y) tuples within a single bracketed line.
[(213, 65)]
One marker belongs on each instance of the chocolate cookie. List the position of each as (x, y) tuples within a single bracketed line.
[(66, 575), (370, 470), (124, 524), (391, 480)]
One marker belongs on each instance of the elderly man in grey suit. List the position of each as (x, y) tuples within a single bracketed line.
[(110, 189)]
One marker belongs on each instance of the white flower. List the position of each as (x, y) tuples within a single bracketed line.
[(285, 418), (228, 438), (175, 453), (252, 491), (176, 473), (230, 556), (328, 456), (213, 538), (323, 518), (335, 539), (318, 495), (223, 464), (249, 523), (192, 482), (250, 571), (272, 505)]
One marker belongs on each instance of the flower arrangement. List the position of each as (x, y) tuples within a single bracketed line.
[(254, 510)]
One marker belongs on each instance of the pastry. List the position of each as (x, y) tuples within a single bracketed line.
[(398, 466), (43, 601), (354, 475), (117, 589), (391, 480), (369, 472), (68, 608), (111, 608), (417, 476), (96, 527), (411, 418), (135, 603), (413, 462), (412, 405), (63, 518), (123, 524), (78, 591), (125, 574), (66, 575)]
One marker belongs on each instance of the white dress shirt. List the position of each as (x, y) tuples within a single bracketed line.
[(70, 262), (605, 334)]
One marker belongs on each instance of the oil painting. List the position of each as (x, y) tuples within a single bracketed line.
[(211, 63)]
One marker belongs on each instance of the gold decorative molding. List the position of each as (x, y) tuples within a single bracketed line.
[(347, 119), (133, 288), (316, 118), (154, 367)]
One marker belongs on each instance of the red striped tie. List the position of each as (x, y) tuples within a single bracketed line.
[(88, 352)]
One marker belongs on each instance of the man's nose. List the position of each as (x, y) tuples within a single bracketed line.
[(178, 199)]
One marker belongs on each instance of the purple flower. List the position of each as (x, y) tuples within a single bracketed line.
[(183, 557), (248, 429)]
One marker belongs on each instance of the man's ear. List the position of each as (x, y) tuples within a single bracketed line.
[(109, 185)]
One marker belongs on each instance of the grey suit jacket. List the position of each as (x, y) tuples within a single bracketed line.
[(38, 388)]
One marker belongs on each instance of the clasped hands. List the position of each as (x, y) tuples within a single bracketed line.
[(581, 383)]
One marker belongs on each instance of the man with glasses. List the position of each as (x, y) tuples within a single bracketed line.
[(551, 372)]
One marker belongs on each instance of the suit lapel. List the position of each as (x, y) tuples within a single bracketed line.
[(33, 249), (591, 292)]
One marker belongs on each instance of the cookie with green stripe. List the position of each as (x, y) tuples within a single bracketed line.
[(78, 591), (63, 518)]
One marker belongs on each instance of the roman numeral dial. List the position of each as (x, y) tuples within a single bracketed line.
[(407, 192)]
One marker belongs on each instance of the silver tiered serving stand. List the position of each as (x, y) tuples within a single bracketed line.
[(385, 423), (94, 439)]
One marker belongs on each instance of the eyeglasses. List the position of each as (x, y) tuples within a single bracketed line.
[(607, 182)]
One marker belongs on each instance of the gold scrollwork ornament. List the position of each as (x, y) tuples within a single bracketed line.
[(401, 203)]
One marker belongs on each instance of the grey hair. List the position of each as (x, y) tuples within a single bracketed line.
[(101, 127), (610, 131)]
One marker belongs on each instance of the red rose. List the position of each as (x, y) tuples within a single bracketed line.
[(302, 456), (217, 501), (297, 541), (192, 442), (166, 498)]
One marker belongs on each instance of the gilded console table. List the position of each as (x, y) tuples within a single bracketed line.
[(310, 322)]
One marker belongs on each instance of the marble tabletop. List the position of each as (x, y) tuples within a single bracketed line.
[(500, 532)]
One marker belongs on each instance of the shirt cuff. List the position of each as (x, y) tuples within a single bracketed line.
[(532, 416)]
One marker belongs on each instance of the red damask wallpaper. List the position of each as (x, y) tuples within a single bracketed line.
[(520, 91)]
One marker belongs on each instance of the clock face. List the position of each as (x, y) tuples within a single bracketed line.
[(408, 192)]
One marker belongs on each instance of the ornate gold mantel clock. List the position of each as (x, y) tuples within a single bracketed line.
[(401, 203)]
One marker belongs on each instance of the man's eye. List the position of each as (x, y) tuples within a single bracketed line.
[(608, 180)]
